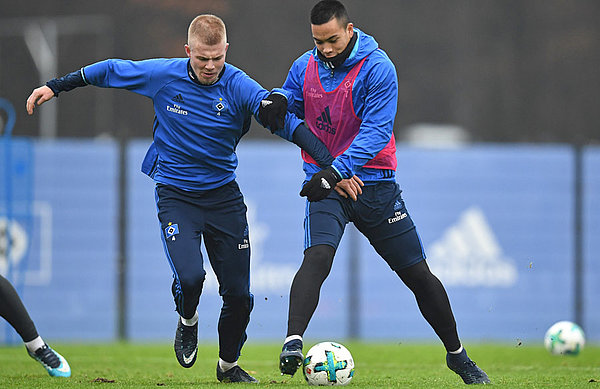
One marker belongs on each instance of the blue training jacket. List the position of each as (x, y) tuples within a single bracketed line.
[(374, 96), (196, 127)]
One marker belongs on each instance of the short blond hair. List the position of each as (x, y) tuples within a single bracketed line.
[(207, 29)]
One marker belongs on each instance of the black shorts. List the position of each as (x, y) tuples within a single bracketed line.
[(379, 214)]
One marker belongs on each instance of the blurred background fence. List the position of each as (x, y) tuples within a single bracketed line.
[(498, 127), (507, 71)]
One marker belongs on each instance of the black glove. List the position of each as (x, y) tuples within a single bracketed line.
[(321, 184), (272, 110)]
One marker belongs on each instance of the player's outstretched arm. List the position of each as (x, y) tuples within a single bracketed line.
[(53, 87), (38, 97)]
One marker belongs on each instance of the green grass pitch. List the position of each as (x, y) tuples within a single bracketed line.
[(378, 365)]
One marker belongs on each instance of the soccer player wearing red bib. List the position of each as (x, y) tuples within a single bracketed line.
[(346, 90)]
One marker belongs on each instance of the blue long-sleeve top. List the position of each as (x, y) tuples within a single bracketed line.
[(374, 97), (196, 127)]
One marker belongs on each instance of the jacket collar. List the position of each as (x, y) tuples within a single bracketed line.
[(194, 77)]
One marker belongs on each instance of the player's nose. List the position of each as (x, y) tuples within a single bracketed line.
[(327, 50)]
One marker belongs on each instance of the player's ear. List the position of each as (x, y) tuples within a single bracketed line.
[(188, 51)]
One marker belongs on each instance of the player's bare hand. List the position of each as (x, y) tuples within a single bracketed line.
[(350, 187), (38, 97)]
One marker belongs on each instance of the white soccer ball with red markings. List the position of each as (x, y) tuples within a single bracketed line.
[(564, 338), (328, 364)]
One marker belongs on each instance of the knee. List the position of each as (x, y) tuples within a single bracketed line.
[(317, 262), (417, 275), (243, 303), (192, 281), (321, 255), (418, 270)]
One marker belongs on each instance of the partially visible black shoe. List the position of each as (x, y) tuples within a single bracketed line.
[(186, 344), (235, 374), (462, 365), (291, 357)]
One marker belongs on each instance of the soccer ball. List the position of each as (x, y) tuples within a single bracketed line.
[(564, 338), (328, 363)]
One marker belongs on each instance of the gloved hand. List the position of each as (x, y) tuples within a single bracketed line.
[(272, 110), (321, 184)]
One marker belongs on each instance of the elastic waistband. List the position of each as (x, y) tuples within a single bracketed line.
[(365, 174)]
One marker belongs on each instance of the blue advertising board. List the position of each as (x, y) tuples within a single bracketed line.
[(16, 214), (69, 281), (591, 242), (496, 222)]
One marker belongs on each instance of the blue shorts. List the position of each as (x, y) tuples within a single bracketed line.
[(379, 214), (218, 215)]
